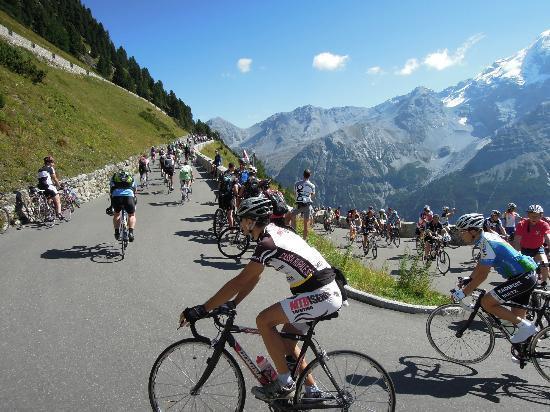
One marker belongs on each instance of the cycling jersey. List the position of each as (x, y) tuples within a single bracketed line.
[(122, 191), (532, 236), (288, 253), (489, 223), (499, 254), (45, 176), (304, 189), (434, 227), (510, 219), (186, 172), (393, 218)]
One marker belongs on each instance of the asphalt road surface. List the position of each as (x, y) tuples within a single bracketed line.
[(80, 329)]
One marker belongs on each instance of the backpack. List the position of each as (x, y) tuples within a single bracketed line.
[(226, 186), (251, 188), (123, 180), (169, 162), (278, 201)]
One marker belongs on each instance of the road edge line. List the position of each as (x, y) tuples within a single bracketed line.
[(386, 303)]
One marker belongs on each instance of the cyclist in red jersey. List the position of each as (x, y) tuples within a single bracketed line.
[(530, 236)]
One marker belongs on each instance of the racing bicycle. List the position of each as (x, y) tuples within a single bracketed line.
[(199, 373), (123, 231), (466, 333)]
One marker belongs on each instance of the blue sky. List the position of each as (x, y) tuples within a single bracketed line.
[(244, 60)]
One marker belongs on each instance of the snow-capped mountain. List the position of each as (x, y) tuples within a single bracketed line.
[(476, 145)]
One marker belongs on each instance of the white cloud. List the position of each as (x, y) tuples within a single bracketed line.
[(410, 66), (374, 70), (442, 59), (329, 61), (244, 64)]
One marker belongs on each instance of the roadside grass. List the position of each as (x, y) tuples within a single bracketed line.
[(413, 285), (84, 123), (18, 28)]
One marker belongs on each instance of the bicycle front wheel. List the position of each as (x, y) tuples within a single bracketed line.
[(374, 250), (443, 262), (232, 243), (350, 381), (220, 220), (179, 367), (539, 351), (475, 343)]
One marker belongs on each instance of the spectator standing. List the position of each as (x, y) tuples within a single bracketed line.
[(304, 190)]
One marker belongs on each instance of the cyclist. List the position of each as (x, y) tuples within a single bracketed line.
[(370, 225), (143, 166), (187, 151), (351, 218), (494, 225), (337, 216), (381, 219), (425, 217), (530, 236), (48, 182), (510, 217), (446, 213), (393, 220), (328, 219), (312, 281), (186, 176), (153, 154), (516, 268), (162, 157), (433, 232), (242, 173), (278, 203), (250, 188), (123, 196), (169, 165), (305, 191), (228, 189)]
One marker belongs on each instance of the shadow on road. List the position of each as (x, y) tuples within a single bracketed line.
[(167, 203), (200, 218), (199, 236), (219, 262), (101, 253), (444, 379)]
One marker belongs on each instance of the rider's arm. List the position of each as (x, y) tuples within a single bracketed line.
[(478, 276), (239, 287)]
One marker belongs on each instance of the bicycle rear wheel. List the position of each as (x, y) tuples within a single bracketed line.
[(4, 220), (362, 382), (232, 243), (396, 238), (374, 249), (220, 220), (443, 262), (475, 344), (181, 365), (539, 351)]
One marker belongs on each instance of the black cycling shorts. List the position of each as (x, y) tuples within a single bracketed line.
[(126, 202), (533, 252), (367, 229), (169, 171), (516, 289), (225, 202)]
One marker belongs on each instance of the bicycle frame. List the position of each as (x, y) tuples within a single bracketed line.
[(226, 336)]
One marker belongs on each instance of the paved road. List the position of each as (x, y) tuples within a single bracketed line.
[(80, 330)]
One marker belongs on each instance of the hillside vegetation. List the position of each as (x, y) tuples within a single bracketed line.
[(83, 122)]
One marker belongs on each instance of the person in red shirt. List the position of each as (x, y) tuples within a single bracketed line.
[(530, 236)]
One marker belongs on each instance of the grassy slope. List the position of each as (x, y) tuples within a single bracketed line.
[(83, 122), (27, 33)]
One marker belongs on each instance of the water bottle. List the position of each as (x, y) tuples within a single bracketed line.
[(266, 369)]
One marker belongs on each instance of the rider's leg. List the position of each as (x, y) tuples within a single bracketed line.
[(267, 321), (57, 204), (293, 349), (491, 305), (131, 220), (541, 257)]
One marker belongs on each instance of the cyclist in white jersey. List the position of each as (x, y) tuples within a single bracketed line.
[(316, 288), (304, 190)]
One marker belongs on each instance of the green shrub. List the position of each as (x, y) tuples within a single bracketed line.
[(414, 276), (20, 62)]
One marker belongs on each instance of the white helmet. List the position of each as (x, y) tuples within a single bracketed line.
[(511, 206), (470, 221), (382, 211), (535, 209)]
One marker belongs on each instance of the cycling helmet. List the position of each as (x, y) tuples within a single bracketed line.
[(470, 221), (495, 212), (436, 216), (382, 211), (511, 206), (48, 159), (445, 208), (535, 209), (427, 207), (242, 161), (252, 169), (255, 208)]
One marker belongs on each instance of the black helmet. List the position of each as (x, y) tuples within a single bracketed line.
[(255, 208)]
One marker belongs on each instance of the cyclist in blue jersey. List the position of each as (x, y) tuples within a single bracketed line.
[(393, 219), (123, 196), (517, 269)]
